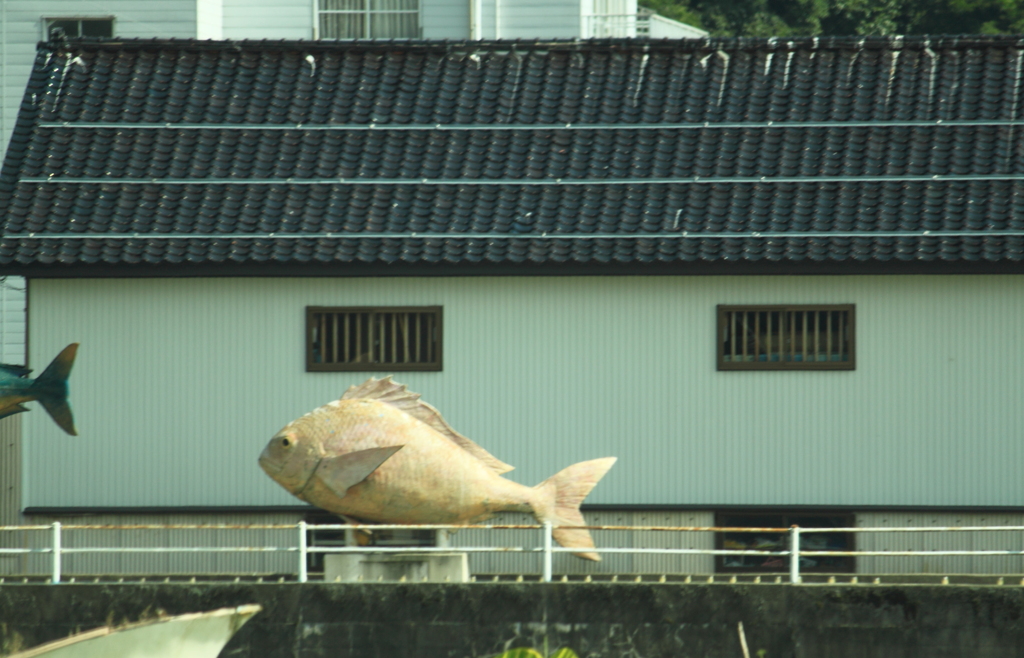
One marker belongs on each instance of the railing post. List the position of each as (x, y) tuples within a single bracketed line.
[(55, 543), (303, 575), (794, 555), (547, 552)]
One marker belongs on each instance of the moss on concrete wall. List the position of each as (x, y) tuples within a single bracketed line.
[(595, 620)]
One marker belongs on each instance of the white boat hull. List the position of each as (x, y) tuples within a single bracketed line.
[(197, 635)]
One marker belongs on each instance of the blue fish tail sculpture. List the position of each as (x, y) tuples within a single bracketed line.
[(50, 389)]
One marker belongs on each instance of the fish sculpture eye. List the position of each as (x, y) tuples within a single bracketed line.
[(285, 442)]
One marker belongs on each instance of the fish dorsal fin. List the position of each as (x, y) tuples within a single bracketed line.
[(14, 371), (398, 396)]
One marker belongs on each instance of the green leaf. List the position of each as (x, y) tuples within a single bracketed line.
[(520, 653), (564, 652)]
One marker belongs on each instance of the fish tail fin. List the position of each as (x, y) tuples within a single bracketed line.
[(559, 501), (51, 389)]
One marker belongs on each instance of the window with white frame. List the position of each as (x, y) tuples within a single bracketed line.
[(78, 27), (368, 19)]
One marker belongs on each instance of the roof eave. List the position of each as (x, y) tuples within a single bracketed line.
[(448, 269)]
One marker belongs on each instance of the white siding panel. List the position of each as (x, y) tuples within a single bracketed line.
[(209, 19), (529, 19), (505, 19), (12, 320), (445, 19), (488, 26), (268, 19), (180, 382)]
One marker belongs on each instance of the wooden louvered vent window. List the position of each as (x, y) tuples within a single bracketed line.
[(786, 337), (373, 339)]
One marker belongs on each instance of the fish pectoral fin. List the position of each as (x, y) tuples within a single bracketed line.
[(345, 471), (10, 410)]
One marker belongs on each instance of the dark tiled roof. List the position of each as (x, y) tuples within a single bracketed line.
[(841, 150)]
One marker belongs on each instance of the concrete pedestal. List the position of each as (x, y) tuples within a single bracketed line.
[(393, 567)]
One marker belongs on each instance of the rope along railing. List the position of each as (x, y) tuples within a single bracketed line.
[(57, 548)]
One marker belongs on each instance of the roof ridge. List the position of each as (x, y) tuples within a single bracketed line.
[(774, 44)]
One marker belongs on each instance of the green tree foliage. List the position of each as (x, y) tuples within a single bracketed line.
[(783, 18)]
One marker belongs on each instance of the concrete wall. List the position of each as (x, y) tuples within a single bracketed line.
[(180, 382), (594, 620)]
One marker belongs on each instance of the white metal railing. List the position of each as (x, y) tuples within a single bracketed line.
[(546, 550)]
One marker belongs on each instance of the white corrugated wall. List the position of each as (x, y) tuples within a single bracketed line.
[(180, 382), (10, 490)]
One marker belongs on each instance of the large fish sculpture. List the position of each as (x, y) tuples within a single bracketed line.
[(49, 388), (380, 454)]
